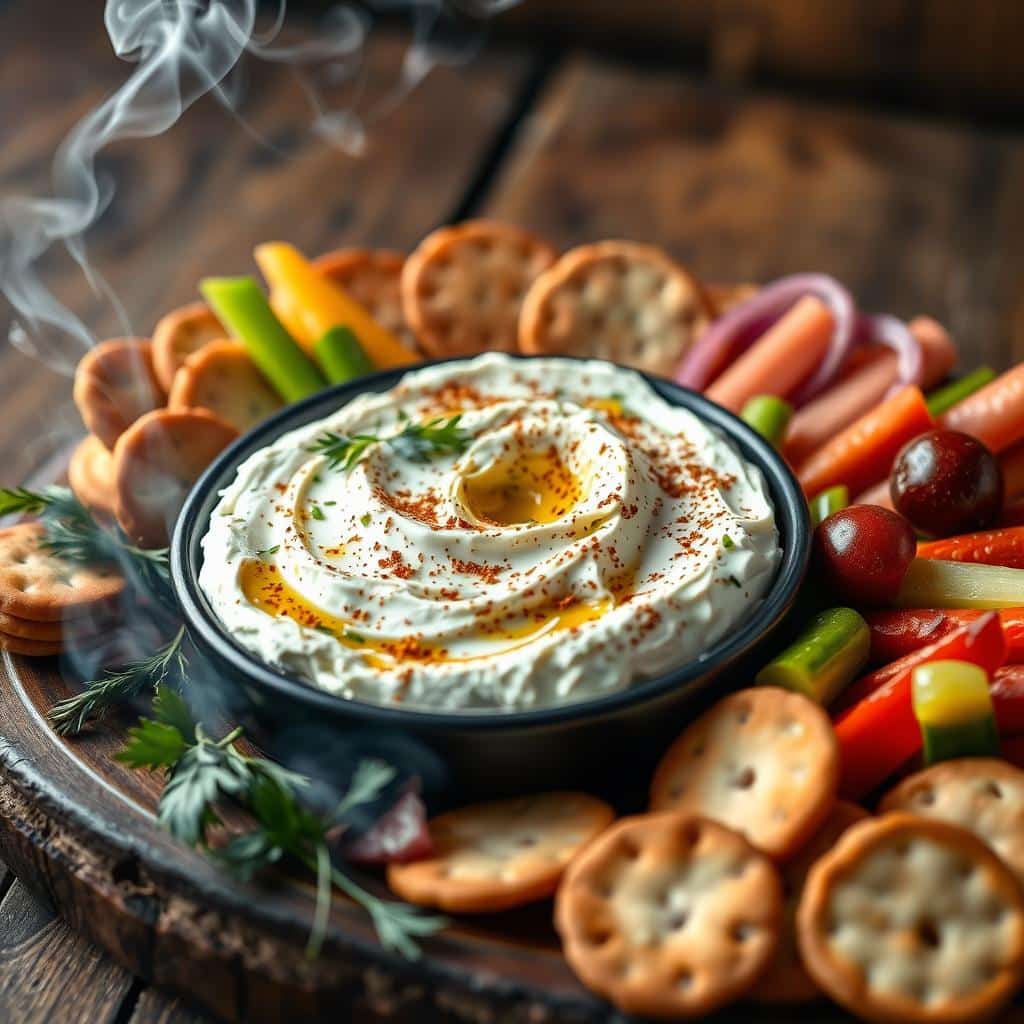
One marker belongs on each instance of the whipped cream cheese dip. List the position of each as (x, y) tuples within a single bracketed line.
[(569, 534)]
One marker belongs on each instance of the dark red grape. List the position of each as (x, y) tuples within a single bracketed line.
[(863, 552), (946, 482)]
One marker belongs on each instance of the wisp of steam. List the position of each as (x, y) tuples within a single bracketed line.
[(183, 50)]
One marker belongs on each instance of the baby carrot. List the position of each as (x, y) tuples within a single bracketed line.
[(864, 386), (863, 453), (993, 547), (995, 414), (1011, 462), (780, 359)]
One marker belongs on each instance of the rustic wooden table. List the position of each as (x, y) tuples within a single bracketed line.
[(916, 215)]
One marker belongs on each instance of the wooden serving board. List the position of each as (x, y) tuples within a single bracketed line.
[(81, 827)]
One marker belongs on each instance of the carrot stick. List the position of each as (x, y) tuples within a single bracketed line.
[(859, 391), (863, 453), (995, 414), (1012, 464), (780, 359), (992, 547)]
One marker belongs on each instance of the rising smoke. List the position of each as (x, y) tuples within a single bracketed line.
[(183, 50)]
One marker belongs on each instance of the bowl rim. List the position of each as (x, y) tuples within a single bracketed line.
[(792, 521)]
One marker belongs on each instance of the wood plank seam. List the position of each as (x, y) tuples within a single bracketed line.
[(528, 100)]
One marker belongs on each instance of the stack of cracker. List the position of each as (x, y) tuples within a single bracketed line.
[(46, 601)]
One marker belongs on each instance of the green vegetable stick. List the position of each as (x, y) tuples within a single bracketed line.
[(953, 706), (942, 399), (832, 500), (769, 416), (826, 656), (243, 307), (341, 357)]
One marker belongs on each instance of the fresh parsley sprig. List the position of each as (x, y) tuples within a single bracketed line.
[(203, 773), (417, 442), (166, 668)]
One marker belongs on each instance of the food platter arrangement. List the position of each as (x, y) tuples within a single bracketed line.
[(511, 524)]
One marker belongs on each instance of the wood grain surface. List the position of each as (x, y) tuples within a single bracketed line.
[(915, 215)]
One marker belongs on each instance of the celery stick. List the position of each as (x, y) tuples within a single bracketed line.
[(953, 707), (942, 399), (933, 583), (832, 500), (769, 416), (341, 357), (240, 303), (826, 656)]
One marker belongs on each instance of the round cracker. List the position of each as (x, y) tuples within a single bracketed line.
[(373, 278), (463, 287), (156, 461), (493, 856), (222, 379), (91, 475), (985, 795), (115, 384), (179, 335), (763, 761), (30, 648), (913, 919), (77, 627), (37, 584), (669, 915), (621, 301), (787, 981)]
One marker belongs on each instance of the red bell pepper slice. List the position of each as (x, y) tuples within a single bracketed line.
[(898, 632), (880, 732), (1007, 689)]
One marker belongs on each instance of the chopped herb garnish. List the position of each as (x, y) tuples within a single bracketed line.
[(728, 542), (735, 582), (417, 442), (321, 628), (330, 503), (267, 552), (317, 512), (366, 519), (356, 638), (203, 774)]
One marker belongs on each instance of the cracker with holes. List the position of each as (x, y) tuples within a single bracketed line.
[(223, 379), (913, 919), (493, 856), (373, 278), (463, 286), (39, 585), (179, 335), (982, 794), (763, 761), (669, 915), (622, 301), (787, 981), (30, 648), (156, 461), (91, 475), (115, 384)]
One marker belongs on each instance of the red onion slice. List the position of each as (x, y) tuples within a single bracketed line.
[(398, 836), (730, 333), (887, 330)]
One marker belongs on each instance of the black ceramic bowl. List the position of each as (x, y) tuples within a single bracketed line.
[(614, 735)]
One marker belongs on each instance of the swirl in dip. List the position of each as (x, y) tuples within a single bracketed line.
[(580, 535)]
